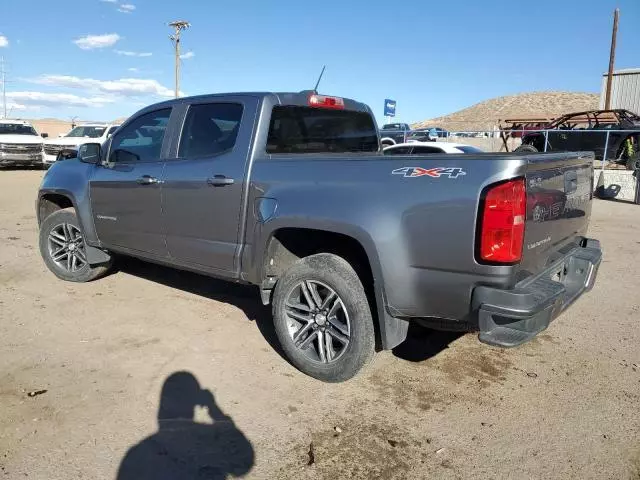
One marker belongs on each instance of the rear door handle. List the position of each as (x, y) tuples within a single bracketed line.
[(219, 181), (148, 180)]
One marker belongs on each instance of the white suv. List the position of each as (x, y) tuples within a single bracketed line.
[(20, 144), (86, 133)]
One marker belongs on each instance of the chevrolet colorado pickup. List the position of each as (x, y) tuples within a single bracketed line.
[(291, 192)]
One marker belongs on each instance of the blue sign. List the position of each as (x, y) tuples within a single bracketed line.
[(389, 108)]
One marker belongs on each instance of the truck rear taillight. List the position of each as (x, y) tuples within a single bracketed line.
[(502, 223), (323, 101)]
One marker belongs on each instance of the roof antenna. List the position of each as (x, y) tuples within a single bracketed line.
[(319, 78)]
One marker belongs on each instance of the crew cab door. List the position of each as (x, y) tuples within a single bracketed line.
[(204, 184), (126, 190)]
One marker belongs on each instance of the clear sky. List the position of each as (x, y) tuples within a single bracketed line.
[(102, 59)]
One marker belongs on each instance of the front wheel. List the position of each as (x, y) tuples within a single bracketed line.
[(322, 318), (63, 248)]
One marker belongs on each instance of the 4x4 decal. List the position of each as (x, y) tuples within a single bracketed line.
[(436, 172)]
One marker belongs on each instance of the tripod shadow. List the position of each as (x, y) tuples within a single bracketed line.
[(183, 448)]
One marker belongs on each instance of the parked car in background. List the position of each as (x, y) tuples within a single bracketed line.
[(587, 131), (394, 133), (420, 148), (440, 132), (20, 144), (423, 135), (86, 133)]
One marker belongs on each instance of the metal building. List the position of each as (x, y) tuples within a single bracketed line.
[(625, 89)]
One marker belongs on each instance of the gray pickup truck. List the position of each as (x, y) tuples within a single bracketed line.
[(291, 192)]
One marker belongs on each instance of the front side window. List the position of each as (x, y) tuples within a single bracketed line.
[(141, 140), (210, 129), (296, 129), (111, 131)]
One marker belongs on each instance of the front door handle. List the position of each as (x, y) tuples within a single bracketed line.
[(219, 181), (148, 180)]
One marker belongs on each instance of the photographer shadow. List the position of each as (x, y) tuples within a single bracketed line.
[(183, 448)]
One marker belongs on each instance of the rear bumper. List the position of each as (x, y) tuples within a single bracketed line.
[(508, 318)]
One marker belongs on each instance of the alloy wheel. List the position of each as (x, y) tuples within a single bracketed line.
[(318, 321), (66, 247)]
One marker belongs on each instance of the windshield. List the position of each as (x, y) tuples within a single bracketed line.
[(91, 132), (392, 126), (16, 129)]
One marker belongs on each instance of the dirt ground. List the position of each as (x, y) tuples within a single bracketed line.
[(148, 343)]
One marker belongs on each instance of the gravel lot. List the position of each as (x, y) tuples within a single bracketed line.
[(440, 406)]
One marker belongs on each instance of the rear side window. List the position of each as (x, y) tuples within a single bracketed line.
[(295, 129), (210, 129)]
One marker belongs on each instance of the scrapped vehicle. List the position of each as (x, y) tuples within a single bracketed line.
[(86, 133), (587, 131), (291, 192), (394, 133), (20, 144), (421, 148)]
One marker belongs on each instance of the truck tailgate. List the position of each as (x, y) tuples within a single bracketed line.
[(559, 194)]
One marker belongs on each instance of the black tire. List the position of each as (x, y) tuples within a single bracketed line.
[(633, 163), (84, 273), (337, 274), (526, 148)]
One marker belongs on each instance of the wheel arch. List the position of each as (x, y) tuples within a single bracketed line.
[(51, 201), (285, 243)]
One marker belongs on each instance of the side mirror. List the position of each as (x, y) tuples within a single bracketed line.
[(90, 153), (44, 135)]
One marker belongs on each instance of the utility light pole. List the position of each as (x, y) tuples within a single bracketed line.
[(178, 25), (612, 59), (4, 88)]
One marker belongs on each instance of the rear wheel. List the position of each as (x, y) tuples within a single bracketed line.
[(526, 148), (63, 248), (322, 318)]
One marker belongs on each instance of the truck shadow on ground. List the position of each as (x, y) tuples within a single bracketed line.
[(245, 297), (424, 343), (421, 343), (183, 448)]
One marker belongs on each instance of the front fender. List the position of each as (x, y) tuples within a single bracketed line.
[(70, 178)]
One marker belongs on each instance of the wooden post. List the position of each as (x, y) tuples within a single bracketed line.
[(612, 58)]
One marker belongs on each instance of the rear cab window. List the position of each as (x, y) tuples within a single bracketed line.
[(300, 129)]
